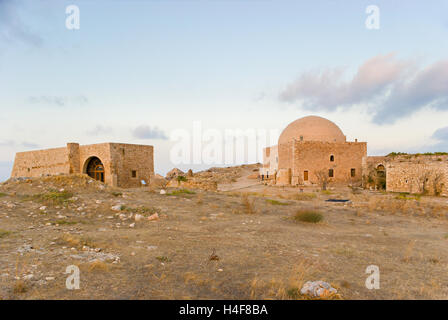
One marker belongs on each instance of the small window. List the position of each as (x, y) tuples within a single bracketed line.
[(331, 173), (305, 175), (276, 159), (353, 172), (332, 158), (301, 138), (134, 174)]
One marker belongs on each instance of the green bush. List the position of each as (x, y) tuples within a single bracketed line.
[(308, 216)]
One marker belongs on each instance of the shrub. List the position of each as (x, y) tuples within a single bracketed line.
[(4, 233), (2, 194), (277, 203), (180, 191), (54, 197), (181, 178), (308, 216), (163, 259)]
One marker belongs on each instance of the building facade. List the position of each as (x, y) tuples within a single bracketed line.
[(117, 164), (309, 149)]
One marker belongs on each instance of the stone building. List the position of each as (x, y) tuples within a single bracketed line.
[(117, 164), (311, 149)]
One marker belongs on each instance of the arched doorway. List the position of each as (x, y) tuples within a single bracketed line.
[(95, 169)]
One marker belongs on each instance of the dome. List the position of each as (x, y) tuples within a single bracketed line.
[(312, 128)]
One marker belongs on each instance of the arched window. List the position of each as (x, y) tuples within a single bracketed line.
[(332, 158)]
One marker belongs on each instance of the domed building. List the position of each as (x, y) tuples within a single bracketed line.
[(312, 149)]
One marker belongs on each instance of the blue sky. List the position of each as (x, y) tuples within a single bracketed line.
[(160, 65)]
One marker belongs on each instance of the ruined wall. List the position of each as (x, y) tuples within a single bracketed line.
[(412, 173), (41, 162), (314, 156)]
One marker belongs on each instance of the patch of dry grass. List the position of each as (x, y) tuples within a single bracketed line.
[(4, 233), (248, 204), (98, 265), (20, 287)]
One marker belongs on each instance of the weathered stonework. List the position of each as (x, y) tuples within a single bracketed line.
[(418, 174), (310, 146), (125, 165)]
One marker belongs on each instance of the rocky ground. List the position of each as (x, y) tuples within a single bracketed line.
[(248, 241)]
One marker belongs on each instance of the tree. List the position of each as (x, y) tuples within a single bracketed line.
[(322, 177), (437, 182)]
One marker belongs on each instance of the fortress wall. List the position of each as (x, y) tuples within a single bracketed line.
[(407, 173), (132, 157), (41, 162)]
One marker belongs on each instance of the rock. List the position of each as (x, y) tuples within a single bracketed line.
[(190, 173), (318, 289), (162, 191), (174, 173), (49, 278), (117, 207), (43, 208), (28, 277), (154, 216), (138, 217), (132, 225), (122, 216)]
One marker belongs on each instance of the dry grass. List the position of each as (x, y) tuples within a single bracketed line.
[(4, 233), (248, 204), (200, 199), (20, 287), (76, 241), (282, 288), (53, 197), (302, 196), (98, 265), (408, 251), (277, 203)]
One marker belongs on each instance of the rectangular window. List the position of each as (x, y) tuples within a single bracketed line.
[(353, 172), (305, 175), (134, 174), (331, 173)]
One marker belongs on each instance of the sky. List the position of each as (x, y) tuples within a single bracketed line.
[(140, 71)]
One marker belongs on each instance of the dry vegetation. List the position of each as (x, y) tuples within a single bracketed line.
[(253, 243)]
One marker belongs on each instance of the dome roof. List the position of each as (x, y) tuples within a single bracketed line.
[(312, 128)]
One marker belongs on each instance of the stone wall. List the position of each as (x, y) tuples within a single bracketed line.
[(119, 161), (412, 173), (41, 162), (344, 158), (131, 157)]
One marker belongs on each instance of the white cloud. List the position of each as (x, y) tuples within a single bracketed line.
[(390, 89)]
